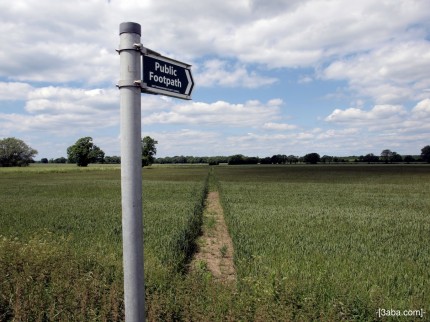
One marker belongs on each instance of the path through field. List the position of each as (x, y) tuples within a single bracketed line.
[(215, 248)]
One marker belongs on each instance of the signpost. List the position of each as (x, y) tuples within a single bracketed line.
[(131, 172), (161, 75)]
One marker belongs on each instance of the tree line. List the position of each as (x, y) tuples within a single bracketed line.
[(84, 152), (310, 158), (15, 152)]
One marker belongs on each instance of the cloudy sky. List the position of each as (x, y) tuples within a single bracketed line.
[(272, 76)]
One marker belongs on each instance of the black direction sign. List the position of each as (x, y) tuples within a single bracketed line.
[(166, 76)]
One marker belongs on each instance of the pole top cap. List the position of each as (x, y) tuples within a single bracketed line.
[(130, 27)]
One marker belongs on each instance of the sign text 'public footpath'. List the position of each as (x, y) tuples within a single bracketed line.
[(162, 75)]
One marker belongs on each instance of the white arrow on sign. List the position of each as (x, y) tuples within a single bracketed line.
[(190, 82)]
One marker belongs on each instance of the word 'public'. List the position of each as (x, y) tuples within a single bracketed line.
[(166, 69)]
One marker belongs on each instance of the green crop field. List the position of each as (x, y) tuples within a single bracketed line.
[(60, 238), (334, 241), (320, 243)]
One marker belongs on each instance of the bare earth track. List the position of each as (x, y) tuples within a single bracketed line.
[(215, 248)]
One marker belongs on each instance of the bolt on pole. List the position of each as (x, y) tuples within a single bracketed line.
[(131, 171)]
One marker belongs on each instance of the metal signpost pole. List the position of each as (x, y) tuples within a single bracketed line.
[(131, 171)]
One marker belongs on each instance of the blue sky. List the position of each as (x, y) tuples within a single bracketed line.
[(290, 77)]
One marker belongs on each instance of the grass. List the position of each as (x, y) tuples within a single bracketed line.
[(223, 250), (324, 243), (332, 241), (60, 238)]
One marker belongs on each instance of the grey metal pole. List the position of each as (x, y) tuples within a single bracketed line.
[(131, 172)]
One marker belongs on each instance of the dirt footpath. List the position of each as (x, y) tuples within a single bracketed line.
[(215, 248)]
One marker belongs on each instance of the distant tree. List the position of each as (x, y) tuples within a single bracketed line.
[(266, 160), (191, 159), (15, 152), (386, 155), (213, 161), (179, 159), (395, 157), (241, 159), (236, 159), (60, 160), (222, 159), (408, 158), (84, 152), (279, 159), (326, 158), (252, 160), (370, 158), (201, 160), (425, 153), (98, 156), (312, 158), (218, 159), (168, 160), (113, 159), (292, 159), (44, 160), (148, 150), (275, 159)]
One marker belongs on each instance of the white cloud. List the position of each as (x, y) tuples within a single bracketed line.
[(216, 72), (383, 126), (279, 126), (38, 46), (194, 142), (305, 79), (334, 134), (64, 111), (14, 91), (305, 34), (59, 124), (379, 113), (59, 100), (422, 109), (251, 113), (391, 73)]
